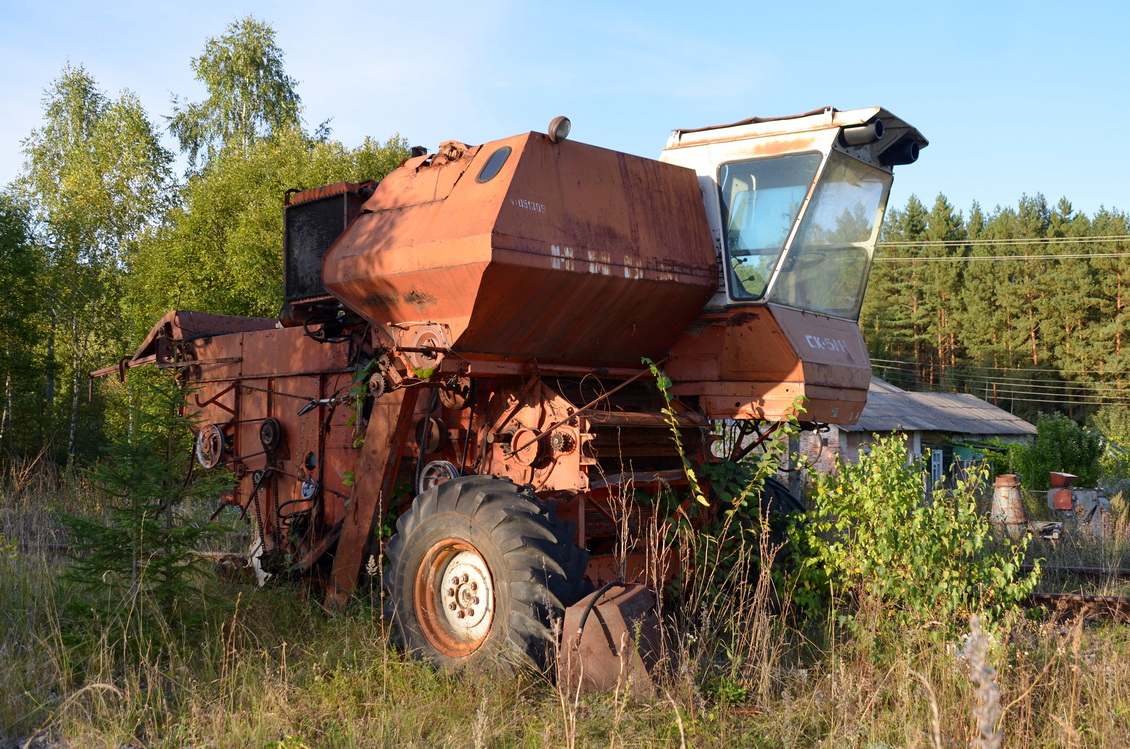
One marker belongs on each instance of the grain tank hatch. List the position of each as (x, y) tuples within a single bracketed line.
[(529, 248), (795, 205)]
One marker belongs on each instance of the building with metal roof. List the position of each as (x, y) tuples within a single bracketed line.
[(948, 426)]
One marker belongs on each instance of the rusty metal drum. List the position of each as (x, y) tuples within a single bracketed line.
[(1007, 511)]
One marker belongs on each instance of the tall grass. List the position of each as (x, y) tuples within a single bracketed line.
[(269, 668)]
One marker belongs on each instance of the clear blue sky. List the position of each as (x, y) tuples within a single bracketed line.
[(1015, 97)]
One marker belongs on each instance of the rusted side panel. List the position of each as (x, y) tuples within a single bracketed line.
[(287, 351), (547, 314), (184, 325), (753, 362), (412, 254), (833, 350), (294, 486)]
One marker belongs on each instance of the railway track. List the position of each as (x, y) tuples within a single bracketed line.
[(1085, 605), (1089, 573)]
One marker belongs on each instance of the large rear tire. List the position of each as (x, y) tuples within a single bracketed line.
[(478, 572)]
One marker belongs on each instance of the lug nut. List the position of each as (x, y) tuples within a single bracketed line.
[(452, 606), (470, 612), (455, 579), (475, 601), (460, 614), (465, 577), (474, 586), (451, 592)]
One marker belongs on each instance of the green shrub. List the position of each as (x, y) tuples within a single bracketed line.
[(136, 565), (873, 541), (1061, 445)]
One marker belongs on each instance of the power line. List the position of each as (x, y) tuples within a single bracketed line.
[(1035, 387), (965, 376), (1015, 242), (977, 368), (1002, 394), (1009, 241), (971, 258), (996, 398), (1020, 391)]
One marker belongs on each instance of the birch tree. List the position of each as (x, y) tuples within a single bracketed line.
[(250, 95), (96, 177)]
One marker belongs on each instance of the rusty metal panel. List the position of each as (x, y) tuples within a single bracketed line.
[(833, 350), (612, 641), (754, 361), (182, 325), (287, 351), (569, 252)]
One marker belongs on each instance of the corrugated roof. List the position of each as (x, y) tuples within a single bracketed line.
[(892, 409)]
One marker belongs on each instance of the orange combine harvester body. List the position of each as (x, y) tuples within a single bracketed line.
[(463, 350)]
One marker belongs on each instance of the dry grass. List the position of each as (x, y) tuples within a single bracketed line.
[(270, 669)]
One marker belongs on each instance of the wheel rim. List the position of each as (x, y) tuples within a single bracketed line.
[(454, 595)]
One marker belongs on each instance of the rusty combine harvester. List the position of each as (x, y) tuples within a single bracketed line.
[(461, 349)]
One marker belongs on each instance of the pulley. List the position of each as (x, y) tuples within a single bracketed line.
[(430, 435), (455, 393), (270, 433), (210, 446), (436, 473)]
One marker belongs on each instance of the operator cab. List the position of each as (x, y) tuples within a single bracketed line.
[(795, 203)]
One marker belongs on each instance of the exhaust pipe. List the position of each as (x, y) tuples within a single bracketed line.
[(862, 135), (904, 151)]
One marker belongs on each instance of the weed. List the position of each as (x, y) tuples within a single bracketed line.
[(873, 539), (750, 669)]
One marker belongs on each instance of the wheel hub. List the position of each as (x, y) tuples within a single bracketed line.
[(455, 596), (466, 593)]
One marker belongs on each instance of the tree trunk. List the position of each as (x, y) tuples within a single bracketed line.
[(72, 432), (7, 415), (51, 363)]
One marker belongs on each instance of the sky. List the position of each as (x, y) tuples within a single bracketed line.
[(1015, 97)]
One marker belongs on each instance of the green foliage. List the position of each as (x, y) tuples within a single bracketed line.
[(136, 566), (22, 266), (250, 96), (221, 251), (873, 541), (1061, 445), (998, 455), (1025, 306), (95, 173), (358, 394), (732, 548), (94, 179), (663, 382), (1113, 426)]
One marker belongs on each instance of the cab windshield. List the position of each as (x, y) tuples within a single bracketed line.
[(825, 268)]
